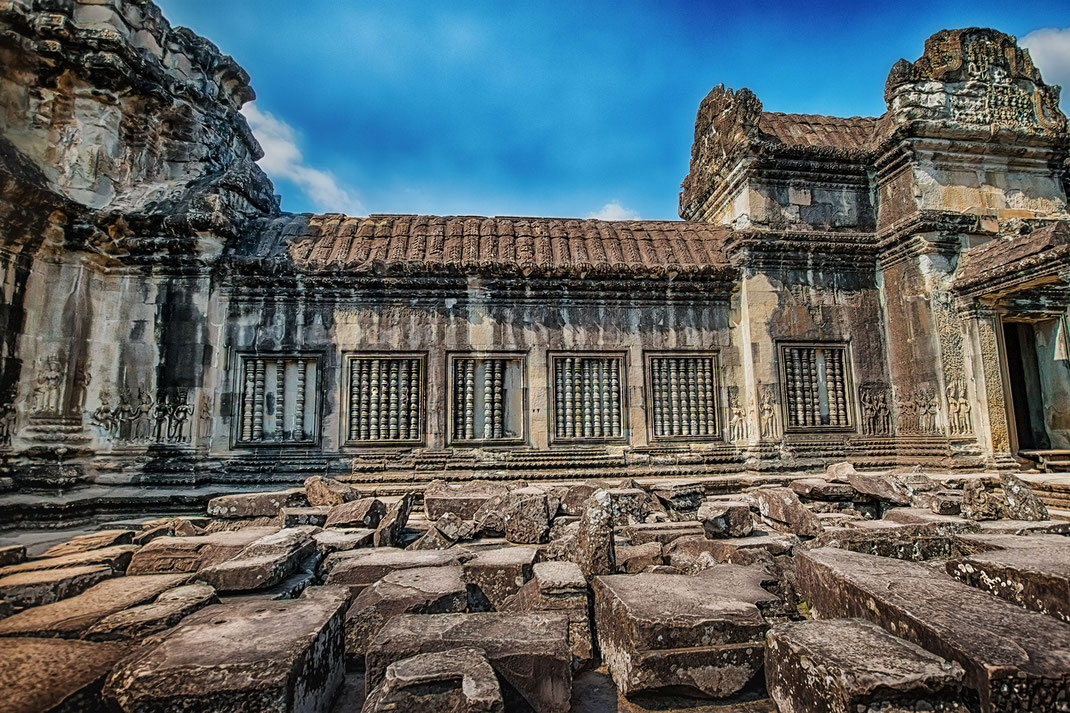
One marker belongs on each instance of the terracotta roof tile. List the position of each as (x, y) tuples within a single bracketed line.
[(476, 245), (854, 133)]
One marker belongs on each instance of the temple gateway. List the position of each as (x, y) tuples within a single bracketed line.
[(888, 290)]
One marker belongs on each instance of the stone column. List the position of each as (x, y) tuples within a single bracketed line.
[(985, 347)]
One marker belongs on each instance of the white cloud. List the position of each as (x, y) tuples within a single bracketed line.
[(283, 160), (1050, 49), (614, 211)]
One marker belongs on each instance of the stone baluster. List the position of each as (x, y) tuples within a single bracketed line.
[(365, 398), (499, 398), (258, 401), (356, 388), (596, 398), (614, 398), (798, 419), (488, 398), (414, 399), (395, 425), (841, 387), (674, 396), (458, 399), (299, 399), (570, 398), (247, 401), (832, 380), (469, 399), (559, 398), (703, 398), (376, 401), (656, 394), (280, 397), (585, 398), (403, 399), (815, 402)]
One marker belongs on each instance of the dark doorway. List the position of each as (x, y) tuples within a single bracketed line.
[(1024, 373)]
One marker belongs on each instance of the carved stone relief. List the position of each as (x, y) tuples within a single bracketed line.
[(768, 411), (958, 408), (918, 410), (876, 401)]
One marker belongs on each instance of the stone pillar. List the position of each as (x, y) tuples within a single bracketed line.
[(985, 351)]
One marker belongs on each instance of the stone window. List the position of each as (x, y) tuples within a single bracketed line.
[(588, 391), (385, 404), (816, 386), (486, 398), (279, 400), (682, 395)]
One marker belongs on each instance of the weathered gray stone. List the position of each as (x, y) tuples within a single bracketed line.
[(495, 575), (361, 568), (782, 510), (54, 676), (251, 655), (592, 547), (849, 665), (464, 499), (1021, 503), (526, 516), (363, 512), (560, 587), (1014, 658), (262, 563), (256, 504), (1036, 578), (635, 558), (12, 554), (139, 622), (71, 618), (329, 492), (663, 630), (116, 557), (725, 518), (189, 554), (529, 651), (820, 489), (883, 487), (452, 681), (419, 590), (315, 516), (663, 532), (681, 498), (342, 539), (631, 504), (980, 502), (392, 525), (90, 541), (31, 589)]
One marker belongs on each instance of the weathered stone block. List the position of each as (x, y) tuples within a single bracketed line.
[(560, 587), (256, 504), (820, 489), (420, 590), (12, 554), (364, 512), (662, 630), (526, 516), (592, 544), (31, 589), (262, 563), (782, 509), (117, 558), (329, 492), (883, 487), (528, 651), (1021, 503), (54, 676), (1014, 658), (334, 540), (635, 558), (725, 518), (70, 618), (139, 622), (453, 681), (360, 568), (392, 525), (189, 554), (463, 499), (663, 532), (90, 541), (849, 665), (315, 516), (1035, 578), (497, 574), (253, 655)]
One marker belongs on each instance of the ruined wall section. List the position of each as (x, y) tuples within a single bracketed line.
[(124, 146)]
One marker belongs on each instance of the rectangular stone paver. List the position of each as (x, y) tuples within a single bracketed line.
[(528, 650), (1017, 660), (253, 655), (70, 618), (39, 675), (848, 665)]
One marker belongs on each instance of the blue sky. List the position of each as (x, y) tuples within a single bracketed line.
[(490, 107)]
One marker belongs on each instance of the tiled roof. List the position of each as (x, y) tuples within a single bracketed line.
[(852, 133), (496, 246), (996, 259)]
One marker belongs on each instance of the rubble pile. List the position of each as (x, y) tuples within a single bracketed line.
[(849, 592)]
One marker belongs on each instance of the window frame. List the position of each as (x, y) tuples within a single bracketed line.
[(551, 387), (648, 393), (451, 437), (241, 356), (348, 357), (850, 398)]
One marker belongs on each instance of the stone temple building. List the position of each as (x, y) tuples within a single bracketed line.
[(890, 290)]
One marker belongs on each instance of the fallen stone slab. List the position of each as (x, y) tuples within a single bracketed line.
[(821, 489), (329, 492), (262, 563), (313, 516), (246, 505), (680, 497), (782, 510), (189, 554), (458, 680), (420, 590), (759, 545), (140, 622), (725, 518), (70, 618), (342, 539), (528, 651), (663, 532), (248, 655), (632, 559), (146, 536), (904, 545), (1024, 527), (592, 543), (1014, 658), (12, 554), (882, 487), (116, 557), (464, 499), (391, 527), (849, 665), (575, 497), (495, 575), (90, 541), (981, 501), (560, 587), (663, 630), (361, 568), (1019, 501), (938, 524), (54, 676), (631, 505), (526, 516), (362, 512), (31, 589), (1036, 578)]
